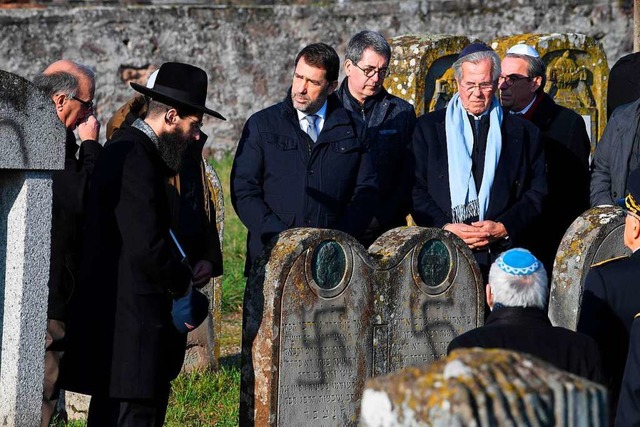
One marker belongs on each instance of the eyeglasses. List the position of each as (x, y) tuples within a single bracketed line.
[(371, 71), (86, 104), (485, 87), (508, 81), (194, 123)]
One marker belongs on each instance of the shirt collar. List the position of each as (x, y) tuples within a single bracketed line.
[(525, 109), (322, 112)]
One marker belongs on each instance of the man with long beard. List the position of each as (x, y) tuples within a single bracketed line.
[(124, 349)]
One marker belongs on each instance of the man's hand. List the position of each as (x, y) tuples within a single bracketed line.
[(474, 237), (202, 273), (495, 230), (89, 128)]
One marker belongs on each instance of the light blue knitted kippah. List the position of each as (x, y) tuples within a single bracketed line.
[(518, 261)]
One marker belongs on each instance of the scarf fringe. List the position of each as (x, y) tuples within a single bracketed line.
[(461, 213)]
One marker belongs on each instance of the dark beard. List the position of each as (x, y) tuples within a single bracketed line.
[(171, 148)]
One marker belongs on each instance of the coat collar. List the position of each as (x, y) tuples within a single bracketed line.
[(518, 315)]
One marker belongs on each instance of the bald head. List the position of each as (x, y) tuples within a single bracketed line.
[(71, 87)]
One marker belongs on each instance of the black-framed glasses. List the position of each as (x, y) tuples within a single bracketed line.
[(86, 104), (197, 124), (509, 80), (371, 71)]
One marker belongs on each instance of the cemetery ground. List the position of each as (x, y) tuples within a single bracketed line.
[(204, 398)]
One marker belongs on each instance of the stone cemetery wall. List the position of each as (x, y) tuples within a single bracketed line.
[(485, 388), (322, 315), (31, 146), (248, 51), (594, 236)]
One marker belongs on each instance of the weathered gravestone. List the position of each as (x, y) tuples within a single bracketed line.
[(577, 73), (483, 387), (322, 315), (595, 236), (420, 69), (31, 146)]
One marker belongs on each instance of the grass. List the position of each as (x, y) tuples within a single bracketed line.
[(203, 398)]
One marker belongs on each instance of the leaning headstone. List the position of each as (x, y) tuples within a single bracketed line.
[(429, 290), (577, 73), (203, 344), (322, 315), (594, 236), (480, 387), (420, 69), (31, 146)]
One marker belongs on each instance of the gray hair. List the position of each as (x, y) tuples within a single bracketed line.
[(475, 58), (519, 291), (62, 81), (367, 40), (535, 67)]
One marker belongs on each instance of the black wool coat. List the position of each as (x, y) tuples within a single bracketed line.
[(609, 303), (528, 330), (70, 187), (567, 148), (122, 342)]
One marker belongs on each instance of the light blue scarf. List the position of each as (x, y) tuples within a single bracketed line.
[(466, 202)]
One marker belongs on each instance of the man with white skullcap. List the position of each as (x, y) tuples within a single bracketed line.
[(566, 143), (517, 295)]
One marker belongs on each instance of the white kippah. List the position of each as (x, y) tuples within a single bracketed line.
[(523, 49), (518, 262), (152, 79)]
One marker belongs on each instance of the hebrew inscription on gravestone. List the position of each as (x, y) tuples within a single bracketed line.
[(322, 315)]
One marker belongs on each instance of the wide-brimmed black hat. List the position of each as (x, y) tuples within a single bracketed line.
[(180, 85)]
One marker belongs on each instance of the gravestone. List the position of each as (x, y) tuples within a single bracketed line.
[(577, 73), (31, 146), (483, 387), (203, 343), (420, 69), (322, 315), (594, 236)]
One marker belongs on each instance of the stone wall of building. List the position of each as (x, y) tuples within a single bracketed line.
[(248, 51)]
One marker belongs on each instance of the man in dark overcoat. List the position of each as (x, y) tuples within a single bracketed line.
[(611, 299), (301, 163), (566, 148), (71, 86), (628, 410), (479, 173), (389, 123), (124, 349), (517, 294)]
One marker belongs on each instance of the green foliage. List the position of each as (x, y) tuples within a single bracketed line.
[(234, 243)]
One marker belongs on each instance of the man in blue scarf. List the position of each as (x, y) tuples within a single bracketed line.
[(480, 174)]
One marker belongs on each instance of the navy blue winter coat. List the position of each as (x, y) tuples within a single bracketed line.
[(281, 179)]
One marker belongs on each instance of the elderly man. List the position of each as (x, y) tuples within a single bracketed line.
[(389, 123), (566, 146), (611, 299), (479, 174), (301, 163), (517, 295), (124, 349), (71, 86)]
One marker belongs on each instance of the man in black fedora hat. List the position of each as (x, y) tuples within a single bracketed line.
[(123, 346)]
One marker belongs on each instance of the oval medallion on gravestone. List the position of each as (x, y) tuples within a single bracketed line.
[(329, 266), (434, 266)]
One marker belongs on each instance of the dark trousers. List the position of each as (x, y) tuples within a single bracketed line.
[(53, 353), (108, 412)]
